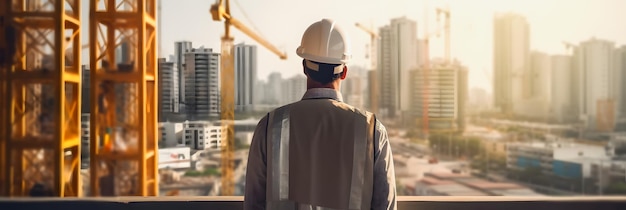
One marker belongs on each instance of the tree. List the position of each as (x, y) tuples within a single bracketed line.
[(616, 189)]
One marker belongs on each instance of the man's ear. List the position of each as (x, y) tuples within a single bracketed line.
[(304, 67), (344, 73)]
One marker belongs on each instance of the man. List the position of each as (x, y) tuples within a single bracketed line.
[(320, 153)]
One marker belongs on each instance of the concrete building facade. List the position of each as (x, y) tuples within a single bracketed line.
[(561, 159), (598, 82), (202, 135), (245, 76), (447, 95), (562, 87), (171, 134), (85, 104), (84, 139), (510, 61), (293, 89), (202, 84), (397, 56), (536, 87), (620, 66), (180, 48), (168, 87)]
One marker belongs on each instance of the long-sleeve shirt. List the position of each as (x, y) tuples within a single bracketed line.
[(311, 151)]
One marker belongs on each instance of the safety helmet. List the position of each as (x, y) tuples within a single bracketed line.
[(325, 42)]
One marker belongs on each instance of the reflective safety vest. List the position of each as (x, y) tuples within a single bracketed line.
[(319, 156)]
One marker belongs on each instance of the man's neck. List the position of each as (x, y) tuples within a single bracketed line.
[(310, 84)]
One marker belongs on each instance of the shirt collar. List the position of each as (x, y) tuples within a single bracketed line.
[(315, 93)]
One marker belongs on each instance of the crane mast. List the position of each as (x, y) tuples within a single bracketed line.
[(220, 11), (425, 121), (40, 97), (372, 74)]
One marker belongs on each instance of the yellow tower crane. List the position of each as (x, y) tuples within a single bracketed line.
[(373, 73), (220, 11), (123, 141), (40, 86)]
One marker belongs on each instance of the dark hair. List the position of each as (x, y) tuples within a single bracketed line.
[(325, 74)]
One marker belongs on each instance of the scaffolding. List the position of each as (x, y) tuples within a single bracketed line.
[(40, 71), (123, 63)]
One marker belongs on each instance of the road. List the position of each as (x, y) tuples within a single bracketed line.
[(411, 161)]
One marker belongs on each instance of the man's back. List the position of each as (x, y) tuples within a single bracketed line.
[(329, 147), (319, 152)]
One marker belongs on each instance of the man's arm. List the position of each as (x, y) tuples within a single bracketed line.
[(254, 197), (384, 193)]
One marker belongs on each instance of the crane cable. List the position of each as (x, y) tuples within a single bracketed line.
[(245, 15)]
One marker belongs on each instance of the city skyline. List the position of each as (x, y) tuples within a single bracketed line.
[(471, 25)]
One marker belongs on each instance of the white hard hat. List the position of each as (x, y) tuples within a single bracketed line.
[(325, 42)]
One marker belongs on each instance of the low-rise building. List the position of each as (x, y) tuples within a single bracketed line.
[(171, 134), (568, 160), (201, 135)]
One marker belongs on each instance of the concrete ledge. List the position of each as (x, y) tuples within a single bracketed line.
[(235, 202)]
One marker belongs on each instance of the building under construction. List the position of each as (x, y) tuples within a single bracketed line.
[(447, 88)]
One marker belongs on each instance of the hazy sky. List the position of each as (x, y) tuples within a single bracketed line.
[(282, 22)]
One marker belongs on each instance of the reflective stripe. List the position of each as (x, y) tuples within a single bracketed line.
[(358, 164), (280, 155), (284, 158)]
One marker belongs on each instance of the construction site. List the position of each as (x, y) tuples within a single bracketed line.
[(123, 149), (41, 97), (41, 86)]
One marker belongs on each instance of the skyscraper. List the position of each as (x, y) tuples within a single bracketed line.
[(562, 88), (274, 83), (85, 104), (597, 101), (245, 76), (397, 53), (620, 66), (168, 87), (536, 87), (180, 48), (202, 84), (354, 87), (510, 60), (293, 89)]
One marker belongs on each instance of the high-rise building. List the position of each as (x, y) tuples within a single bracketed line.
[(536, 87), (245, 76), (352, 92), (354, 87), (168, 87), (202, 84), (598, 77), (293, 89), (510, 60), (447, 96), (620, 66), (84, 138), (274, 88), (85, 105), (479, 100), (180, 48), (123, 54), (462, 97), (562, 88), (397, 55)]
